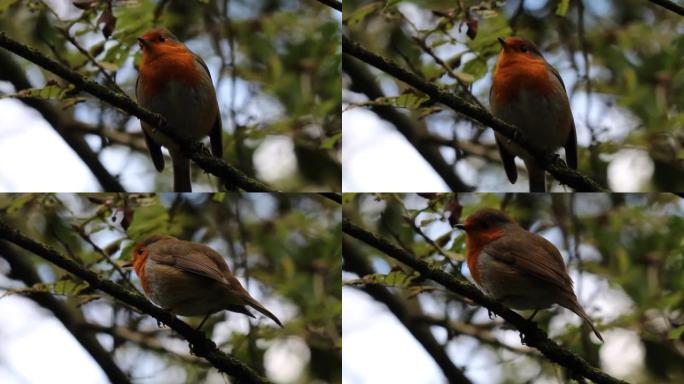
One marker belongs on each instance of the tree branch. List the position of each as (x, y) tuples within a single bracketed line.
[(11, 71), (336, 197), (363, 81), (531, 334), (199, 344), (669, 5), (226, 172), (551, 162), (354, 262), (72, 319)]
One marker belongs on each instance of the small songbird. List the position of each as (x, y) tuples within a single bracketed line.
[(190, 279), (518, 268), (529, 93), (176, 83)]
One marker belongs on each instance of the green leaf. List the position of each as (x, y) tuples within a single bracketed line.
[(396, 278), (676, 333), (50, 91), (361, 13), (406, 100), (4, 4), (331, 141), (19, 202), (476, 67), (562, 8), (149, 220)]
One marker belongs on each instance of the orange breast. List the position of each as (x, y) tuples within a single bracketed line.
[(474, 243), (515, 72), (163, 64), (139, 266)]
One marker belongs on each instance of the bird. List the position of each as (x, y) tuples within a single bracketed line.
[(175, 83), (190, 279), (517, 268), (528, 93)]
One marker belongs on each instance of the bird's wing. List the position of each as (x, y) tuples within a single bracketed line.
[(571, 147), (571, 143), (152, 147), (215, 135), (531, 254), (194, 258), (201, 62)]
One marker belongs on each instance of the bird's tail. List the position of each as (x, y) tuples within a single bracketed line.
[(574, 306), (249, 300), (181, 173)]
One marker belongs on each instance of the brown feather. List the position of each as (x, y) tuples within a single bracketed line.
[(531, 254)]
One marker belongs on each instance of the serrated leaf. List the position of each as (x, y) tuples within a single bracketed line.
[(406, 100), (396, 278), (50, 91)]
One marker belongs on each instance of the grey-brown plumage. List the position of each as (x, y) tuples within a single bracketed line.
[(190, 279)]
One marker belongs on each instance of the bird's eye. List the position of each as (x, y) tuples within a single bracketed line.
[(523, 48), (141, 251), (161, 39)]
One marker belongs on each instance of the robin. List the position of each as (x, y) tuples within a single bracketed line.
[(176, 83), (517, 268), (190, 279), (529, 93)]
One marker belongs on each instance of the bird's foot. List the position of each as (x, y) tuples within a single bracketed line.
[(163, 125)]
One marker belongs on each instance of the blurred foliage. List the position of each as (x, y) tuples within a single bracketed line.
[(286, 249), (635, 77), (627, 252), (276, 64)]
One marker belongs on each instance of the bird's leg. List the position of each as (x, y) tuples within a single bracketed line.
[(162, 123), (202, 323)]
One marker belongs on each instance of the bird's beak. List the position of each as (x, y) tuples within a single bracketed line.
[(128, 265), (462, 227), (502, 42), (142, 42)]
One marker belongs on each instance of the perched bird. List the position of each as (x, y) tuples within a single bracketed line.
[(176, 83), (529, 93), (190, 279), (517, 268)]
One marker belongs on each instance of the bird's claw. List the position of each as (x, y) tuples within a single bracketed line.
[(161, 124)]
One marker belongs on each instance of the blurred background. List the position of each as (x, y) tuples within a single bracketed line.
[(275, 66), (621, 62), (284, 249), (625, 253)]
